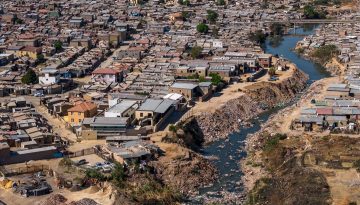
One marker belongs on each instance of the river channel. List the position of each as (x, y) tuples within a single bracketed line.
[(228, 153)]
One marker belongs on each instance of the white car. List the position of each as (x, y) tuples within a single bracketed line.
[(38, 95), (106, 168)]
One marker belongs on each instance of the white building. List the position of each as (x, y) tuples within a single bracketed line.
[(49, 76)]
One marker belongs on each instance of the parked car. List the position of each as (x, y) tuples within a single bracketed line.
[(38, 95), (81, 162), (106, 169)]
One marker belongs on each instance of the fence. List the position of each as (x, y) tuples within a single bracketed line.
[(24, 170), (80, 153)]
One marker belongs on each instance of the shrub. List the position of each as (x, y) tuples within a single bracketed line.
[(202, 28), (30, 77)]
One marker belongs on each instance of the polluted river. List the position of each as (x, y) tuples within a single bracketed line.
[(226, 154)]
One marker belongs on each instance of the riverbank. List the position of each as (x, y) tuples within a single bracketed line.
[(251, 100), (287, 164)]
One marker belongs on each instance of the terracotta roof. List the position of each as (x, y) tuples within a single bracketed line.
[(324, 111), (105, 71), (83, 107), (32, 49)]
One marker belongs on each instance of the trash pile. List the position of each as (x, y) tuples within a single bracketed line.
[(58, 199)]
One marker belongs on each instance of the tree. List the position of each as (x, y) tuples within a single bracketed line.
[(172, 128), (118, 175), (58, 45), (202, 28), (40, 57), (215, 78), (311, 13), (212, 16), (196, 52), (272, 71), (184, 2), (277, 29), (325, 53), (30, 77), (257, 37), (185, 15), (220, 2)]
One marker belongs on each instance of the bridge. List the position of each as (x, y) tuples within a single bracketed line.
[(313, 21)]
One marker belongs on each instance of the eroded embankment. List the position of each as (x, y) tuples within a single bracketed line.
[(257, 98)]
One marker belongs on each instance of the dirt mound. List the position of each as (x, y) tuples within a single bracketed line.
[(93, 190), (84, 201), (186, 173), (56, 199)]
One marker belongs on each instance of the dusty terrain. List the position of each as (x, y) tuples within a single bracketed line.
[(217, 120), (329, 157)]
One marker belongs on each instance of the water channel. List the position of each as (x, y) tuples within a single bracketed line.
[(229, 152)]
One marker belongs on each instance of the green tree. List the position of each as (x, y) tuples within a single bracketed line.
[(220, 2), (58, 45), (272, 71), (258, 37), (325, 53), (19, 21), (311, 13), (212, 16), (215, 78), (277, 29), (196, 52), (118, 174), (172, 128), (202, 28), (30, 77), (184, 2), (40, 57), (185, 15)]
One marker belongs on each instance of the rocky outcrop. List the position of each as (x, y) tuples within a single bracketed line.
[(258, 98)]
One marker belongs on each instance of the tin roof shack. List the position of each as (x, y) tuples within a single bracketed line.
[(190, 91), (225, 71), (101, 127), (336, 121), (341, 91), (26, 155), (154, 112), (310, 123), (125, 108), (132, 151)]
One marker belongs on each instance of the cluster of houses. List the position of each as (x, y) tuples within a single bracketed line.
[(25, 134), (339, 111)]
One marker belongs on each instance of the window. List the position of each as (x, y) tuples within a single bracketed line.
[(79, 120), (149, 114), (72, 120), (141, 114)]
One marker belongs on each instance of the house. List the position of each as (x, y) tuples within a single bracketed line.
[(49, 76), (129, 53), (224, 71), (126, 108), (338, 90), (29, 51), (188, 90), (107, 75), (153, 111), (80, 111), (132, 151), (81, 42), (101, 127), (265, 60)]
